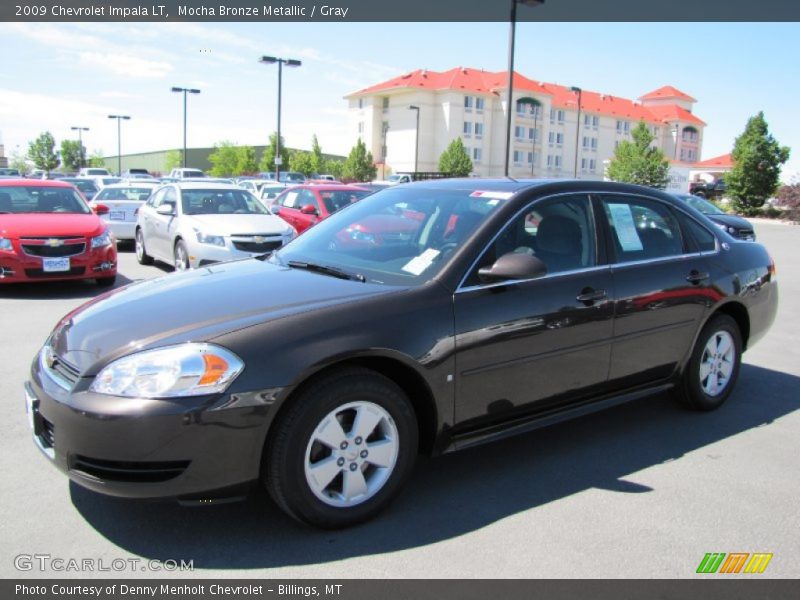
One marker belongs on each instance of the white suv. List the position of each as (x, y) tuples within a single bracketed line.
[(181, 173), (93, 172)]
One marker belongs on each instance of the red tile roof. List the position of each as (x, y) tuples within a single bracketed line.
[(487, 82), (667, 92), (724, 162)]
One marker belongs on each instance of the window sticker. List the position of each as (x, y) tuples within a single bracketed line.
[(491, 194), (419, 264), (622, 219), (291, 200)]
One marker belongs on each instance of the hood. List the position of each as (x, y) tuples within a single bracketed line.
[(732, 221), (50, 225), (237, 224), (196, 305)]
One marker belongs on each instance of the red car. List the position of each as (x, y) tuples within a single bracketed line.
[(48, 232), (305, 205)]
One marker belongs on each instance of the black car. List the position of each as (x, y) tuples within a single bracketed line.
[(87, 187), (428, 317), (736, 226)]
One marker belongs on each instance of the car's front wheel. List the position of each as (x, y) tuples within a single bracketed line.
[(181, 256), (343, 449), (714, 366), (141, 253)]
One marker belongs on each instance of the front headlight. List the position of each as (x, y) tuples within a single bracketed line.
[(5, 244), (185, 370), (102, 240), (214, 240)]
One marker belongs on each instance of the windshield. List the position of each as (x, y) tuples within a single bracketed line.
[(398, 237), (220, 202), (393, 178), (335, 200), (703, 205), (84, 185), (40, 199), (126, 193)]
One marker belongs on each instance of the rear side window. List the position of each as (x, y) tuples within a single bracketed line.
[(702, 238), (641, 229)]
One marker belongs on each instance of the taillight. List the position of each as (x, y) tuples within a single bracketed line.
[(100, 209), (771, 269)]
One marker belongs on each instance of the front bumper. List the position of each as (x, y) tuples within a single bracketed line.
[(235, 248), (18, 267), (190, 449)]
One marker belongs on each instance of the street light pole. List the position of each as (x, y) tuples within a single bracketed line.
[(80, 130), (185, 91), (289, 62), (579, 91), (119, 119), (416, 139), (511, 39)]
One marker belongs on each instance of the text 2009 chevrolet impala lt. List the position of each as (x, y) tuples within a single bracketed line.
[(426, 318)]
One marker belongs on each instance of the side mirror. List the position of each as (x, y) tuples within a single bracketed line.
[(309, 209), (513, 266), (165, 209)]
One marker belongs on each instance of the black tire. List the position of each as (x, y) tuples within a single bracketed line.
[(106, 281), (700, 194), (693, 390), (290, 446), (142, 257), (181, 256)]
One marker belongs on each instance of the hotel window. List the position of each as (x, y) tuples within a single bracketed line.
[(683, 154), (522, 108), (385, 104), (519, 132), (517, 157), (476, 154), (558, 162), (479, 104), (587, 120), (584, 164), (592, 164), (549, 161), (595, 121), (360, 127), (560, 116), (467, 128), (552, 114), (551, 137), (536, 111), (530, 158), (360, 103), (468, 100), (533, 134), (559, 138), (478, 130), (594, 144), (627, 126)]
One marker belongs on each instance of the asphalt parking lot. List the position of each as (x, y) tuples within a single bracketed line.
[(640, 491)]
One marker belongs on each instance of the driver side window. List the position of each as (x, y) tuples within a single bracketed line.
[(558, 231)]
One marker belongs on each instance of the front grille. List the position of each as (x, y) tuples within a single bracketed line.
[(66, 370), (267, 246), (47, 434), (128, 471), (745, 234), (41, 274), (46, 251)]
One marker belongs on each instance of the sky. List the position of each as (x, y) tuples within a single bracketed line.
[(55, 76)]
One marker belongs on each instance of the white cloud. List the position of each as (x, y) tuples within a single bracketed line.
[(125, 64)]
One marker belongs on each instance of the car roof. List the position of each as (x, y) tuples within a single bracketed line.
[(128, 184), (35, 183), (205, 185)]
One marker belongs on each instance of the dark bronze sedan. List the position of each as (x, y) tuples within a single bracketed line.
[(428, 317)]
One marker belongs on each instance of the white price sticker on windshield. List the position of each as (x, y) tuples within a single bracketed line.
[(418, 264), (622, 218), (492, 194)]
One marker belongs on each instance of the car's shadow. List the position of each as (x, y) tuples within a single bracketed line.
[(452, 495), (59, 290)]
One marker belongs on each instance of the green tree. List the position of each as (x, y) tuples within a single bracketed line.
[(359, 165), (173, 160), (334, 167), (317, 159), (757, 160), (638, 162), (246, 163), (302, 162), (268, 158), (455, 160), (72, 153), (224, 159), (19, 162), (42, 152)]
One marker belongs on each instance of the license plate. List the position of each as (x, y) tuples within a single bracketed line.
[(55, 265), (116, 215), (29, 399)]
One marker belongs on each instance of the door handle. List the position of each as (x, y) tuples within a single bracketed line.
[(590, 295), (696, 276)]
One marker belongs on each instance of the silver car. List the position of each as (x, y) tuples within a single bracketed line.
[(193, 224), (118, 205)]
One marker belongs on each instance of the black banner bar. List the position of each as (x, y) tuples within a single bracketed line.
[(398, 10)]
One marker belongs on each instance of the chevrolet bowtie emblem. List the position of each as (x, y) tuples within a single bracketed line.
[(259, 239), (54, 242)]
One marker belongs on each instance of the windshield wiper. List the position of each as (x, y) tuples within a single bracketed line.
[(327, 270)]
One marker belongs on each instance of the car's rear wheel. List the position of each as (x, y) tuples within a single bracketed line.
[(713, 368), (141, 253), (181, 256), (343, 449)]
